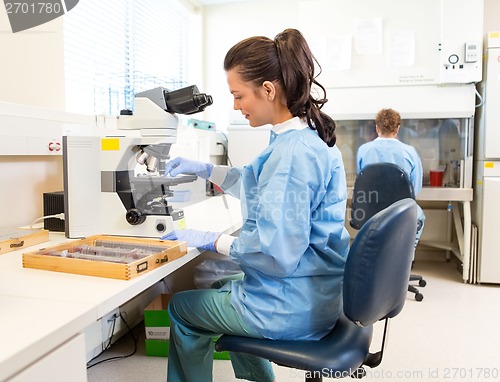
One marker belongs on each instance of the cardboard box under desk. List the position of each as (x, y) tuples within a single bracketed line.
[(106, 256), (157, 328)]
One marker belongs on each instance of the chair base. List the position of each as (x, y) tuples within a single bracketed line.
[(411, 288)]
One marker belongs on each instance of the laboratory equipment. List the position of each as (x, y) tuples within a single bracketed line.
[(485, 207), (114, 180)]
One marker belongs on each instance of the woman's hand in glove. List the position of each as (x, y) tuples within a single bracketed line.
[(181, 165), (201, 239)]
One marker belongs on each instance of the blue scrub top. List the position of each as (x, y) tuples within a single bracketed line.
[(293, 244), (392, 150)]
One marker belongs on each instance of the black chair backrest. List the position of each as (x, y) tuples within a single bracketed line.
[(377, 186), (378, 266)]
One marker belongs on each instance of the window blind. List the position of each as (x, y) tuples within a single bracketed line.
[(116, 48)]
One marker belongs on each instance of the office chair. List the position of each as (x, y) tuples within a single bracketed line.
[(376, 187), (375, 281)]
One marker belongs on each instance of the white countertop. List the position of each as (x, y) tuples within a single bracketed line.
[(437, 194), (446, 194)]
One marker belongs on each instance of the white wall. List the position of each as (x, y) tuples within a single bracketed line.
[(32, 64), (224, 26), (31, 72), (24, 180), (491, 12)]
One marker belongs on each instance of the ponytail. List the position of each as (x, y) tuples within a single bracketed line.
[(297, 67)]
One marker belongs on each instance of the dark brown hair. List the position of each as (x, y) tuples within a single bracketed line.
[(288, 61), (387, 121)]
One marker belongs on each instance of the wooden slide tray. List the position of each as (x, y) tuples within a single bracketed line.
[(106, 256), (12, 239)]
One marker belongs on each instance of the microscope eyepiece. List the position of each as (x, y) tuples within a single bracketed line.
[(202, 100), (187, 100)]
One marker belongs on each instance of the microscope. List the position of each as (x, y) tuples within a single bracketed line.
[(114, 180)]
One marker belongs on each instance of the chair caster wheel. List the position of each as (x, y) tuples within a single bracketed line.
[(422, 283), (419, 296)]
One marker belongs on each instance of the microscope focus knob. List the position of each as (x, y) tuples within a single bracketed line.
[(135, 217)]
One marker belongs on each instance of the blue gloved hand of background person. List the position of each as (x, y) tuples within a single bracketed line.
[(181, 165), (200, 239)]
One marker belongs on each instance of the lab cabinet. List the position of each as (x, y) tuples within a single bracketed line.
[(487, 191), (442, 143), (62, 364), (486, 208)]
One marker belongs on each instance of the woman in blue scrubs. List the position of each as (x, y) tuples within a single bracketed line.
[(387, 148), (293, 244)]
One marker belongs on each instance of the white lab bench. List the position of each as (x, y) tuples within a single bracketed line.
[(456, 197), (44, 314)]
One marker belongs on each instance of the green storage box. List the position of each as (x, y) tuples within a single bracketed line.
[(157, 348), (157, 327)]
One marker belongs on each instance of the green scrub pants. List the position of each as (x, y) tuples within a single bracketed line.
[(196, 317)]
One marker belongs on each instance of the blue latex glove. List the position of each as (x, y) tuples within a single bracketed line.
[(181, 165), (200, 239)]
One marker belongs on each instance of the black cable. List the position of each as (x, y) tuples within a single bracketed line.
[(112, 334), (109, 345), (104, 348)]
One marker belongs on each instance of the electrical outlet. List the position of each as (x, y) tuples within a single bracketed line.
[(110, 324)]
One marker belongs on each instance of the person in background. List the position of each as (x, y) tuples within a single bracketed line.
[(293, 245), (388, 149)]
